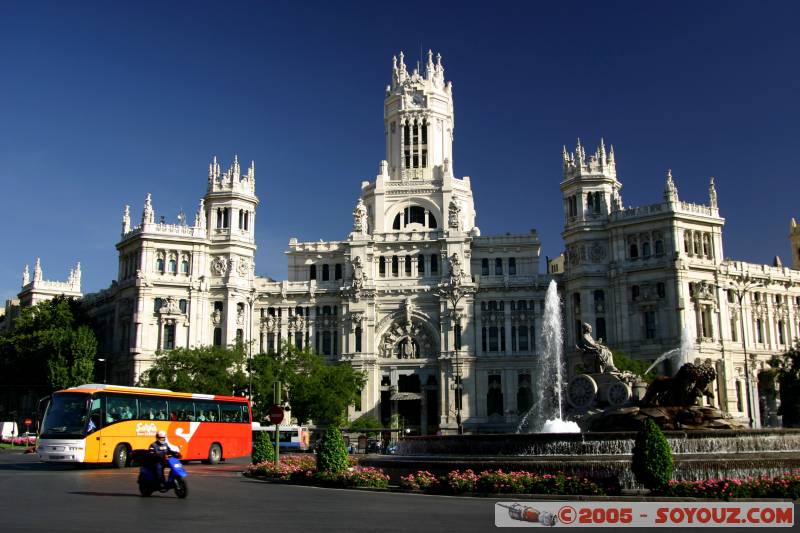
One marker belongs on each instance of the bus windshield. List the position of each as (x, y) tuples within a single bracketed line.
[(66, 417)]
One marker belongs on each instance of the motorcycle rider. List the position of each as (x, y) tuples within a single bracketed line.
[(162, 449)]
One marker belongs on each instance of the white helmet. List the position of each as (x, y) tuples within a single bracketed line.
[(161, 434)]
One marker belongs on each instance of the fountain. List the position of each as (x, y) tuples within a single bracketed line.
[(548, 410), (610, 406)]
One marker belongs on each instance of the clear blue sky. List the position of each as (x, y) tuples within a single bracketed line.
[(101, 103)]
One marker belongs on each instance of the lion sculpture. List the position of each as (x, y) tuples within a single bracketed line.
[(684, 389)]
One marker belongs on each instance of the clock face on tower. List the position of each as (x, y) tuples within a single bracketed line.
[(416, 99)]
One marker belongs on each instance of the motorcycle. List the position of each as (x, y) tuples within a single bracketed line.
[(149, 479)]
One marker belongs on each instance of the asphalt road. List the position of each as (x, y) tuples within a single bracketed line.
[(35, 496), (40, 497)]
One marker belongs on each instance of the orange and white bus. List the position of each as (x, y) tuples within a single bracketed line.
[(103, 423)]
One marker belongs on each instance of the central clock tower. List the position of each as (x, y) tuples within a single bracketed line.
[(418, 119)]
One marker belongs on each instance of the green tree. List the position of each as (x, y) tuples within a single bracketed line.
[(263, 447), (332, 452), (365, 423), (637, 366), (786, 367), (315, 389), (208, 370), (652, 459), (51, 346)]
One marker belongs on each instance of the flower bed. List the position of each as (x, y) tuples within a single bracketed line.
[(785, 486), (29, 440), (499, 482), (303, 469)]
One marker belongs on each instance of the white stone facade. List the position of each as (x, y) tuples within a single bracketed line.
[(382, 298)]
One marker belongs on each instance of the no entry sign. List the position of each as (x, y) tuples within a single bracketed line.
[(276, 414)]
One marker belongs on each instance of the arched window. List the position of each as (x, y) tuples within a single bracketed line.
[(599, 301), (217, 336), (498, 267), (395, 266), (646, 249), (312, 271), (635, 292), (157, 305), (169, 337), (512, 266), (337, 271), (576, 303), (358, 339), (182, 305), (160, 265), (434, 263), (173, 266), (408, 265), (659, 247), (484, 267), (634, 251), (421, 265), (522, 305), (414, 215), (589, 202), (326, 272), (185, 267), (382, 266), (326, 343)]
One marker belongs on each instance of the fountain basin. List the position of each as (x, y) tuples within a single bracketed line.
[(603, 457)]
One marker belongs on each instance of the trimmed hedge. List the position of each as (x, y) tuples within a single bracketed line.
[(263, 448), (652, 458), (332, 453)]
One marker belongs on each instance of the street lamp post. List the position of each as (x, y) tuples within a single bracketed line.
[(102, 360), (250, 300), (453, 292), (740, 288)]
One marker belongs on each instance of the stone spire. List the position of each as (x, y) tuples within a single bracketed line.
[(712, 194), (26, 276), (429, 67), (148, 215), (670, 190), (200, 216), (37, 271), (126, 220), (580, 156)]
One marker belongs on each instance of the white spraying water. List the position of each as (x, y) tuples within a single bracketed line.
[(550, 405), (682, 354)]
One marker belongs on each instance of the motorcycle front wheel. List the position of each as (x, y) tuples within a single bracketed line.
[(181, 490), (145, 490)]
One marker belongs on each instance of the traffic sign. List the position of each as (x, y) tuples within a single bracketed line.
[(276, 414)]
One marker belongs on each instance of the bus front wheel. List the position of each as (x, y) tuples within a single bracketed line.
[(214, 454), (121, 456)]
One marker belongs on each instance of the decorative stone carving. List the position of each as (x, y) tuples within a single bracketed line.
[(356, 317), (454, 216), (169, 306), (216, 317), (597, 252), (240, 316), (456, 271), (604, 359), (297, 323), (219, 266), (360, 218), (242, 267), (269, 323)]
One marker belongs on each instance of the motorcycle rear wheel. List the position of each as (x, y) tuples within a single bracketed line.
[(181, 489)]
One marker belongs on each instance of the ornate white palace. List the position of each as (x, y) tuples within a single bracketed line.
[(445, 321)]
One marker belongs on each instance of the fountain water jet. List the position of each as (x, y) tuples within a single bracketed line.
[(548, 410), (684, 350)]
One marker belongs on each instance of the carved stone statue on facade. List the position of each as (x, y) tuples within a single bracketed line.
[(684, 389), (454, 216), (360, 218), (456, 271), (358, 273), (603, 358)]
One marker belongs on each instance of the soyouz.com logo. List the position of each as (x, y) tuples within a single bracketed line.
[(643, 514)]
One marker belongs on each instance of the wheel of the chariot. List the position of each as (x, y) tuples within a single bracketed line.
[(581, 392), (618, 394)]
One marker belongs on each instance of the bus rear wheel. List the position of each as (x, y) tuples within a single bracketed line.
[(121, 456), (214, 454)]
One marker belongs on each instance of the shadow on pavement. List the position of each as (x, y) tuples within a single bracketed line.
[(115, 494)]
